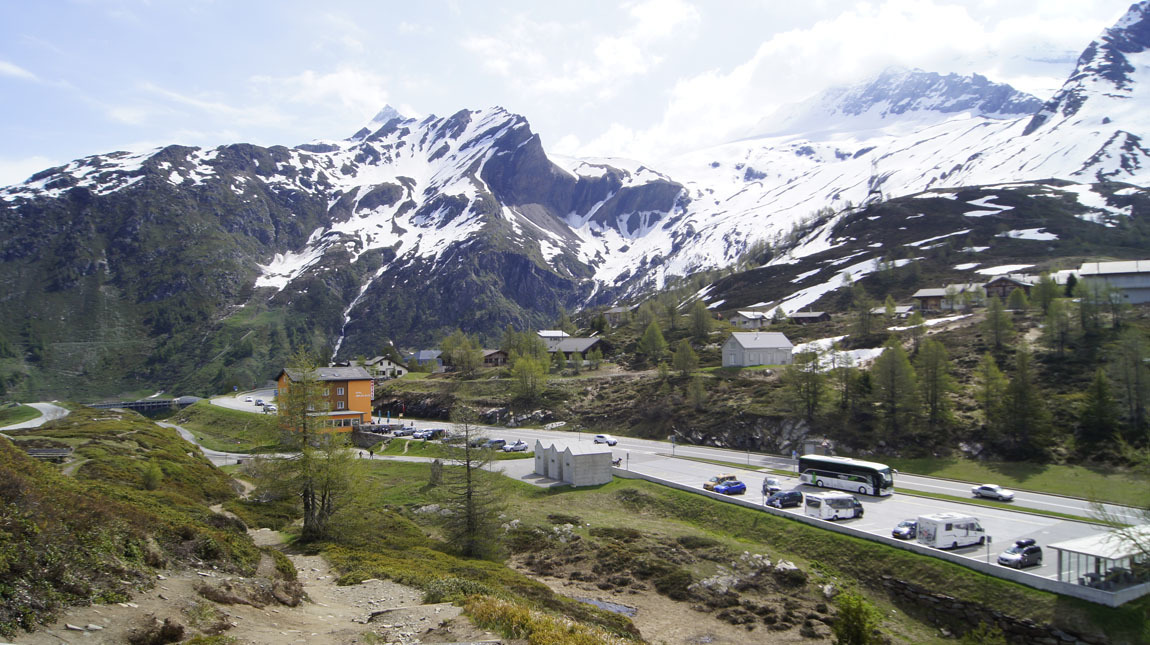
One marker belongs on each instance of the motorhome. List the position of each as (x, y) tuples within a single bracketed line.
[(833, 506), (949, 530)]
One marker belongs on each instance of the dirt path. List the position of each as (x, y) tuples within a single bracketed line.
[(336, 615)]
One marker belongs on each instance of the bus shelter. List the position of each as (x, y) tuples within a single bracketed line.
[(1108, 561)]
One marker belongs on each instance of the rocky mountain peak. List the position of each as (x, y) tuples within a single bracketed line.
[(898, 94), (1104, 68)]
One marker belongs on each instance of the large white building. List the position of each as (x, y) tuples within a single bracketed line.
[(744, 349), (1131, 277), (578, 465)]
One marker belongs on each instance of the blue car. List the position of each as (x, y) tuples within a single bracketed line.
[(733, 487)]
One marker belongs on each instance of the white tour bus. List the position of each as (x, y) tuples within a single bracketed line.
[(949, 530), (844, 473), (833, 506)]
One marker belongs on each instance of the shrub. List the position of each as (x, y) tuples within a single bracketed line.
[(696, 542), (857, 622), (454, 590)]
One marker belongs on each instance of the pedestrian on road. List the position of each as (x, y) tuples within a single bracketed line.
[(371, 453)]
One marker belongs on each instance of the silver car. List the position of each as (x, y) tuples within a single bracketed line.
[(993, 491)]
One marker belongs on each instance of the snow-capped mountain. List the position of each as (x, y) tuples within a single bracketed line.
[(409, 228)]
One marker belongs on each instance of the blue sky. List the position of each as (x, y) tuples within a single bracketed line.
[(642, 79)]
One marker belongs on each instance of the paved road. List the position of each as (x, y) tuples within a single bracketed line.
[(48, 412)]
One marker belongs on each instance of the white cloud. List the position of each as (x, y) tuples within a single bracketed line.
[(15, 71), (358, 90), (551, 58), (849, 47)]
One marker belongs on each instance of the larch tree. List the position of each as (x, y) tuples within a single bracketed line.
[(472, 526), (895, 391), (935, 386), (997, 324), (1027, 427), (700, 320), (1045, 292), (1132, 376), (990, 392), (1056, 333), (652, 345), (1017, 300), (805, 385), (684, 359), (321, 468), (1098, 414)]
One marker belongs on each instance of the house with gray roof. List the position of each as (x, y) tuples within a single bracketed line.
[(750, 319), (744, 349), (1131, 277)]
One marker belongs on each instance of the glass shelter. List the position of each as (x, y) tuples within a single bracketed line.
[(1108, 561)]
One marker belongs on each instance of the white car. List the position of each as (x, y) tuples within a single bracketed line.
[(993, 491), (247, 399), (605, 438)]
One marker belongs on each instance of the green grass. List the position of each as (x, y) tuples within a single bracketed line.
[(653, 510), (228, 430), (17, 414), (1103, 484), (436, 450)]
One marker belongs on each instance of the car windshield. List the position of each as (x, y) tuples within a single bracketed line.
[(906, 523), (1015, 549)]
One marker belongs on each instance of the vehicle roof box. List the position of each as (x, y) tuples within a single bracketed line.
[(1025, 542)]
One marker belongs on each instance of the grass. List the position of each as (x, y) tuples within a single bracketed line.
[(654, 510), (17, 413), (227, 430), (98, 536), (436, 450), (1103, 484)]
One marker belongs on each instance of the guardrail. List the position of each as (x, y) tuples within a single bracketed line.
[(1089, 594)]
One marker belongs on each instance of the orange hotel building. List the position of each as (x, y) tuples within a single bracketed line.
[(349, 391)]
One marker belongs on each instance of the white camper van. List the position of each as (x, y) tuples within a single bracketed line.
[(950, 530), (833, 506)]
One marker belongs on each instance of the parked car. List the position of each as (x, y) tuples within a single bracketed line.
[(771, 485), (605, 438), (518, 446), (247, 399), (718, 479), (993, 491), (906, 530), (421, 434), (403, 431), (731, 487), (259, 401), (785, 499), (495, 444), (1023, 553), (436, 433)]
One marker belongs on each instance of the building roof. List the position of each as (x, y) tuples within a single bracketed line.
[(377, 360), (489, 352), (331, 374), (1114, 268), (619, 310), (929, 293), (762, 340), (1015, 278), (753, 315), (552, 333), (1111, 545), (584, 448), (898, 311), (808, 314), (570, 344), (426, 355)]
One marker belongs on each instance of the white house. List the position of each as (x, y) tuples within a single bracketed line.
[(743, 349), (381, 367), (578, 465), (1132, 277)]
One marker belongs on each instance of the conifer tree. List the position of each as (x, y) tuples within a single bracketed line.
[(935, 385), (1027, 427), (652, 345), (1017, 300), (997, 324), (1132, 376), (684, 359), (1056, 332), (1045, 292), (472, 527), (697, 394), (805, 384), (1098, 415), (991, 386), (895, 391), (700, 320)]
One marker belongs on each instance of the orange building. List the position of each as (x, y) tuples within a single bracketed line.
[(349, 391)]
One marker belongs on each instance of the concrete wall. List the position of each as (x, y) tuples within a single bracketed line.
[(587, 469), (1110, 599)]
